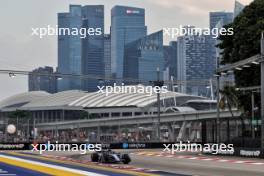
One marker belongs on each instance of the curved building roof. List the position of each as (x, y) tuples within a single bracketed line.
[(60, 99), (80, 99), (21, 99)]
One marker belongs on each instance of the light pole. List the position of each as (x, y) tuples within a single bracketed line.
[(34, 130), (262, 91), (253, 113), (158, 101), (218, 103)]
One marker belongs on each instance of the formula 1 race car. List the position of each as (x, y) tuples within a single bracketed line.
[(109, 156)]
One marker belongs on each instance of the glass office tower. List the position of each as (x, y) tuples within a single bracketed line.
[(170, 57), (196, 62), (225, 17), (143, 56), (69, 49), (92, 46), (107, 55), (127, 25)]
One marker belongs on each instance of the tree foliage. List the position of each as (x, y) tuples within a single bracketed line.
[(244, 43)]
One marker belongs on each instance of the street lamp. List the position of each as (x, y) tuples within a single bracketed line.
[(246, 66), (256, 63), (223, 74), (12, 75)]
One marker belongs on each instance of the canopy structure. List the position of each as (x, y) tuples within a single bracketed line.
[(75, 99)]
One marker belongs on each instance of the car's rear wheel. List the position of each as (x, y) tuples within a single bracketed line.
[(126, 159), (94, 157)]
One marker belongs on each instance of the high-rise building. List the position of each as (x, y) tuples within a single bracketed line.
[(92, 46), (225, 17), (219, 20), (144, 56), (238, 8), (81, 54), (42, 79), (127, 25), (195, 62), (69, 49), (107, 55), (170, 57)]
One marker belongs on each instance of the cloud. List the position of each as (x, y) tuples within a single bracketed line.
[(197, 7)]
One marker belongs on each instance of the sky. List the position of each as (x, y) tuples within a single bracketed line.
[(20, 50)]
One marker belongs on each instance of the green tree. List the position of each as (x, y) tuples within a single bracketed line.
[(228, 99), (19, 114), (243, 44)]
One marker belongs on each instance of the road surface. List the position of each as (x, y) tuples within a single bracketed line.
[(26, 164), (144, 162), (199, 165)]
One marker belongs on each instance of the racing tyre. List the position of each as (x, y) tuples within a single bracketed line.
[(126, 159), (94, 157)]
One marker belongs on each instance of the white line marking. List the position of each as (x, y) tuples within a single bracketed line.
[(193, 158), (257, 163), (239, 162), (207, 159)]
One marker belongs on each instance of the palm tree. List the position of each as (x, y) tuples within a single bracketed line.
[(229, 99)]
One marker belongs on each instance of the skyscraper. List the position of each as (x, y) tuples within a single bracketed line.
[(238, 8), (219, 20), (92, 46), (225, 17), (37, 82), (195, 62), (170, 57), (127, 25), (81, 54), (69, 49), (144, 56), (107, 55)]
